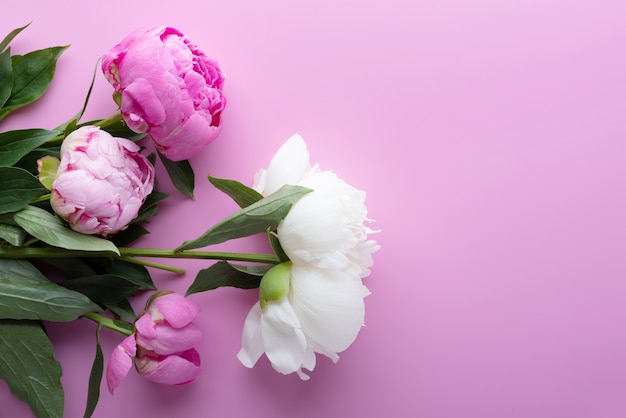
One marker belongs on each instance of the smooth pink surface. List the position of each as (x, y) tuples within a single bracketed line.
[(491, 139)]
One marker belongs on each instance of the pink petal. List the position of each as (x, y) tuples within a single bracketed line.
[(120, 362), (176, 309), (140, 97), (145, 325), (171, 370), (168, 340)]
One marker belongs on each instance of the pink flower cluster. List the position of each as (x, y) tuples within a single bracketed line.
[(165, 87)]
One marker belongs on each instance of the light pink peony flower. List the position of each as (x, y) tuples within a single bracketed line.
[(162, 345), (167, 87), (101, 183)]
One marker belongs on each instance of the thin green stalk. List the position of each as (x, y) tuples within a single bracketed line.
[(204, 255), (42, 198), (152, 264), (54, 252), (116, 117), (109, 323)]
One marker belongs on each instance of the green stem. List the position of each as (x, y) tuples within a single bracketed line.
[(154, 265), (109, 323), (42, 198), (116, 117), (204, 255), (53, 252)]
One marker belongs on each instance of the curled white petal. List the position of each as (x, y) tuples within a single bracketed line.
[(283, 339), (251, 340), (288, 166)]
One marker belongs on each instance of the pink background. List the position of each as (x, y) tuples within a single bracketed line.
[(490, 137)]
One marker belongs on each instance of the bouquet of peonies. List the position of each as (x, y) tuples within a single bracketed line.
[(73, 199)]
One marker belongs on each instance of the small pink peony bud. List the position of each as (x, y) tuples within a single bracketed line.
[(101, 183), (162, 346)]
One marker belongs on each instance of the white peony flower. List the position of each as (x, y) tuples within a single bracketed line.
[(319, 308), (316, 311), (325, 228)]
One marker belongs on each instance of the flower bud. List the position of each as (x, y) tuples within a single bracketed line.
[(101, 182), (162, 346), (275, 284)]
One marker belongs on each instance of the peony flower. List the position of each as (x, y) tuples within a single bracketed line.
[(325, 228), (315, 304), (101, 182), (167, 87), (162, 346), (302, 310)]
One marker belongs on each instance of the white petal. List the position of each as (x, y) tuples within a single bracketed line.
[(284, 341), (329, 305), (318, 348), (314, 228), (308, 362), (326, 228), (309, 359), (302, 375), (288, 166), (260, 180), (251, 339)]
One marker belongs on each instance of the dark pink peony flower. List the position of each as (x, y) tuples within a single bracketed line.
[(168, 88)]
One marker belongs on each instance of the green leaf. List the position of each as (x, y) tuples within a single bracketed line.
[(256, 218), (129, 235), (123, 309), (275, 244), (252, 270), (124, 325), (6, 76), (95, 377), (18, 188), (181, 174), (131, 272), (242, 195), (70, 125), (7, 39), (26, 294), (12, 234), (223, 273), (121, 130), (28, 366), (48, 172), (16, 144), (29, 161), (102, 289), (32, 74), (48, 228), (113, 281), (149, 207), (70, 267)]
